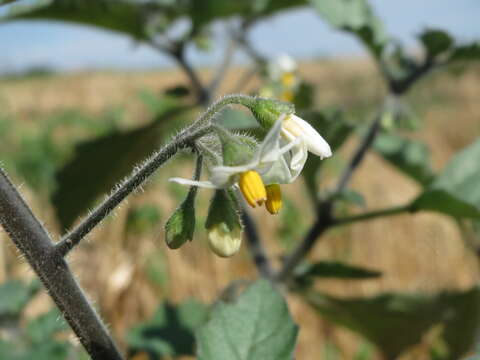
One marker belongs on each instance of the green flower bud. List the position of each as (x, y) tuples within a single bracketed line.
[(267, 111), (180, 226), (223, 225)]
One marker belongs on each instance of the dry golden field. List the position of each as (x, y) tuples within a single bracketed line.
[(422, 252)]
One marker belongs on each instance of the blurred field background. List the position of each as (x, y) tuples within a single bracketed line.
[(125, 266)]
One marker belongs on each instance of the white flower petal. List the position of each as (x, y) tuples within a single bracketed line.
[(316, 144), (203, 184)]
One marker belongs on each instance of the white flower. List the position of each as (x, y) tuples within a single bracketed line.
[(280, 65), (279, 159)]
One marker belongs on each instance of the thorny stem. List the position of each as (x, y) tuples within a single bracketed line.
[(139, 175), (35, 244)]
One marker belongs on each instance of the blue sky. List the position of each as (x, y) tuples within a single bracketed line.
[(300, 33)]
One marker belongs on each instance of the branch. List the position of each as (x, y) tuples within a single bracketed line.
[(358, 155), (35, 244), (372, 215), (256, 248), (322, 223), (324, 210), (136, 179), (399, 87), (176, 51)]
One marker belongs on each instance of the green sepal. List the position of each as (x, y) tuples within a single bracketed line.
[(181, 225), (267, 111), (236, 150), (223, 211)]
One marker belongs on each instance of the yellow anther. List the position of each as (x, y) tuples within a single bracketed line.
[(288, 79), (252, 188), (274, 198)]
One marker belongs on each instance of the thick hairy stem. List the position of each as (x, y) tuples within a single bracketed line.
[(137, 178), (35, 244)]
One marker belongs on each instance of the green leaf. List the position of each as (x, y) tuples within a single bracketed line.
[(124, 16), (394, 322), (98, 165), (333, 126), (409, 156), (170, 332), (44, 327), (356, 17), (337, 270), (14, 296), (256, 326), (142, 218), (435, 42), (455, 191)]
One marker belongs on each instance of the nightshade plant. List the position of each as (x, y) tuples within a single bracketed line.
[(249, 161)]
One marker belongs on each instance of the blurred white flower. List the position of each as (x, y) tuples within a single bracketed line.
[(281, 65)]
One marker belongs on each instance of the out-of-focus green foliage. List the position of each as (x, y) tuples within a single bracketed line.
[(36, 338), (395, 322), (335, 129), (142, 219), (14, 295), (409, 156), (356, 17), (255, 326), (455, 191), (170, 332)]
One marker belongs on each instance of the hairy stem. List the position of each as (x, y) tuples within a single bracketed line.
[(35, 244), (137, 178)]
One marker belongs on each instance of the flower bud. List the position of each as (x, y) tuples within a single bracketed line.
[(267, 111), (223, 225), (180, 226)]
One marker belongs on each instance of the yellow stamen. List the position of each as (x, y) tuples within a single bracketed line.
[(274, 198), (252, 188), (288, 79)]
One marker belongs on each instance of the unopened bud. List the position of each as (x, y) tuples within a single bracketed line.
[(223, 225), (181, 225)]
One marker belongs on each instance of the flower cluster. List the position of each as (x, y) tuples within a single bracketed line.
[(258, 171)]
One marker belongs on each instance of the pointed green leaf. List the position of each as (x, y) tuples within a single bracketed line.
[(256, 326)]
